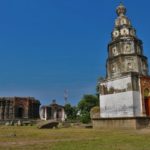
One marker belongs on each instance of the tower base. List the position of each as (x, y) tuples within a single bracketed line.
[(121, 123)]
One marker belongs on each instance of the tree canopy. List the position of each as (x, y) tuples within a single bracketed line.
[(87, 102), (85, 105), (71, 112)]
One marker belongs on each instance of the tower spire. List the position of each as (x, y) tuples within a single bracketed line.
[(125, 49)]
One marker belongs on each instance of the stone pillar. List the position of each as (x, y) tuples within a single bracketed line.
[(27, 109), (6, 113), (14, 108), (33, 110), (63, 114), (3, 108), (7, 109), (55, 114), (11, 110), (45, 113), (42, 111)]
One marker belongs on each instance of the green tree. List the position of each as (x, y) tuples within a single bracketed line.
[(85, 105), (71, 112)]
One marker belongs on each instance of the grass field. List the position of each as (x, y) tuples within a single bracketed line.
[(31, 138)]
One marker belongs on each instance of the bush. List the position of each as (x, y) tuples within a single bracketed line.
[(95, 109), (95, 112), (85, 105), (71, 112), (85, 117)]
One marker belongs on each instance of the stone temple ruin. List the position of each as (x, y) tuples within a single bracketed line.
[(19, 108), (52, 112), (27, 110)]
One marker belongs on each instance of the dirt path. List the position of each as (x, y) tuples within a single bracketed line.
[(32, 142)]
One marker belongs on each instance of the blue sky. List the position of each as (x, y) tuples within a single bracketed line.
[(52, 45)]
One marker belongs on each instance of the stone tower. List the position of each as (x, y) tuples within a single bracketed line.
[(122, 93)]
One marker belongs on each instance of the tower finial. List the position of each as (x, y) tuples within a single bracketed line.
[(121, 10)]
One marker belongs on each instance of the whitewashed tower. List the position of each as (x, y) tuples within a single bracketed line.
[(121, 93)]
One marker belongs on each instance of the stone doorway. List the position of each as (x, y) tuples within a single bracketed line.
[(20, 112), (147, 101)]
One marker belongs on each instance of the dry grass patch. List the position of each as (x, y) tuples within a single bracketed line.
[(72, 139)]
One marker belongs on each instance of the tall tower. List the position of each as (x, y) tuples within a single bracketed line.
[(122, 92), (66, 96)]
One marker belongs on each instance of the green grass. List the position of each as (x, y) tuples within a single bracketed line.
[(31, 138)]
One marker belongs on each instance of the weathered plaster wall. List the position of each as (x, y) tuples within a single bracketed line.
[(119, 83), (121, 100), (137, 103), (116, 86), (117, 105)]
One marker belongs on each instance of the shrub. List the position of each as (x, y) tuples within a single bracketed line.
[(95, 112), (85, 117)]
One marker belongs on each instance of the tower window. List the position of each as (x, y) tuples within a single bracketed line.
[(129, 65)]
